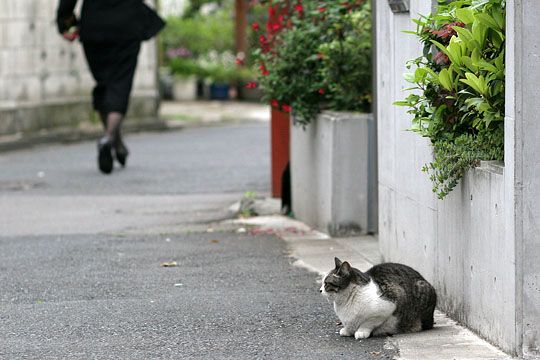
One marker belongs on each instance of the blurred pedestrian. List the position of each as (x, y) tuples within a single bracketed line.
[(111, 32)]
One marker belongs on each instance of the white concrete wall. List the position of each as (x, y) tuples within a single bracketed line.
[(522, 180), (459, 244), (329, 173), (39, 69)]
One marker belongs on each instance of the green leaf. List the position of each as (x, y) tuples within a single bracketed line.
[(401, 103), (445, 78), (409, 77), (484, 65), (499, 18), (446, 51), (488, 21), (477, 83), (465, 15), (464, 34), (467, 61)]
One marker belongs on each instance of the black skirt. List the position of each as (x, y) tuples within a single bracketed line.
[(113, 67)]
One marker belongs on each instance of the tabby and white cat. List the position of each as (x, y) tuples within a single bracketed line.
[(387, 299)]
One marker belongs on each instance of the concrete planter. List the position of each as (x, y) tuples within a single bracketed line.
[(330, 163), (184, 88)]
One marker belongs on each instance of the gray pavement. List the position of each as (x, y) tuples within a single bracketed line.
[(219, 159), (81, 256)]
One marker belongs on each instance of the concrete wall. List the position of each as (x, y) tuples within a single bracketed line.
[(460, 243), (329, 173), (522, 178), (44, 81)]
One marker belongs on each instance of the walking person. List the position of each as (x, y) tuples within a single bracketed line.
[(111, 32)]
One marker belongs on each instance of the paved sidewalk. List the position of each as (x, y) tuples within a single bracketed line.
[(197, 113), (315, 251)]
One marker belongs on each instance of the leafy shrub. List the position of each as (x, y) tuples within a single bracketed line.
[(458, 96), (200, 33), (317, 56), (185, 67)]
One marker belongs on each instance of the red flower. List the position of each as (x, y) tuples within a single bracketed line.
[(322, 91), (251, 85), (239, 61), (274, 103), (299, 7), (322, 9), (255, 26), (262, 39), (263, 70), (286, 108), (276, 27), (271, 11)]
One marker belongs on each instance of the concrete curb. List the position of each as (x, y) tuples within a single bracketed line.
[(315, 251)]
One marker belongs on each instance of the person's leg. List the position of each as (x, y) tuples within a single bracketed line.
[(114, 120), (113, 131), (97, 57), (118, 94)]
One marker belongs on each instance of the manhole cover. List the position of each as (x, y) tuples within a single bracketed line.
[(20, 185)]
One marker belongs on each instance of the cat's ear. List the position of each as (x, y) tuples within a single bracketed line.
[(338, 262), (345, 269)]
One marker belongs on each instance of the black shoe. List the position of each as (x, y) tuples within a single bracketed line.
[(105, 159), (121, 153)]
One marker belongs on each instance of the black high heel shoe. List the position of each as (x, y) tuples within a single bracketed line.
[(121, 153), (105, 159)]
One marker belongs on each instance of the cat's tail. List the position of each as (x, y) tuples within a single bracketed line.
[(427, 297)]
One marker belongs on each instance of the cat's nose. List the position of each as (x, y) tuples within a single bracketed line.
[(320, 290)]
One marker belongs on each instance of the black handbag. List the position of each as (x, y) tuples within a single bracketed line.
[(152, 22)]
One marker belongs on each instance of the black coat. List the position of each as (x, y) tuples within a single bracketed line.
[(110, 21)]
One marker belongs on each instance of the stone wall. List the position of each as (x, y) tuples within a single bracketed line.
[(44, 81)]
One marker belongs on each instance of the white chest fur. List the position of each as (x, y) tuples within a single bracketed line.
[(362, 311)]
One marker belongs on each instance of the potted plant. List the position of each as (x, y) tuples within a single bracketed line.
[(185, 71), (320, 60), (220, 70), (332, 68)]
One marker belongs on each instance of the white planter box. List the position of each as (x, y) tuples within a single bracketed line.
[(184, 89), (330, 173)]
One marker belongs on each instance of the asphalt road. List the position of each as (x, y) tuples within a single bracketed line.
[(220, 159), (81, 256)]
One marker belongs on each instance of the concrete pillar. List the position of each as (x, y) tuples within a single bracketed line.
[(522, 162)]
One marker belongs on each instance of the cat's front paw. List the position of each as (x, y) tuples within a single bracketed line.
[(345, 332), (362, 334)]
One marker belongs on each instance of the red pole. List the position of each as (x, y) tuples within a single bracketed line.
[(280, 129), (280, 132)]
